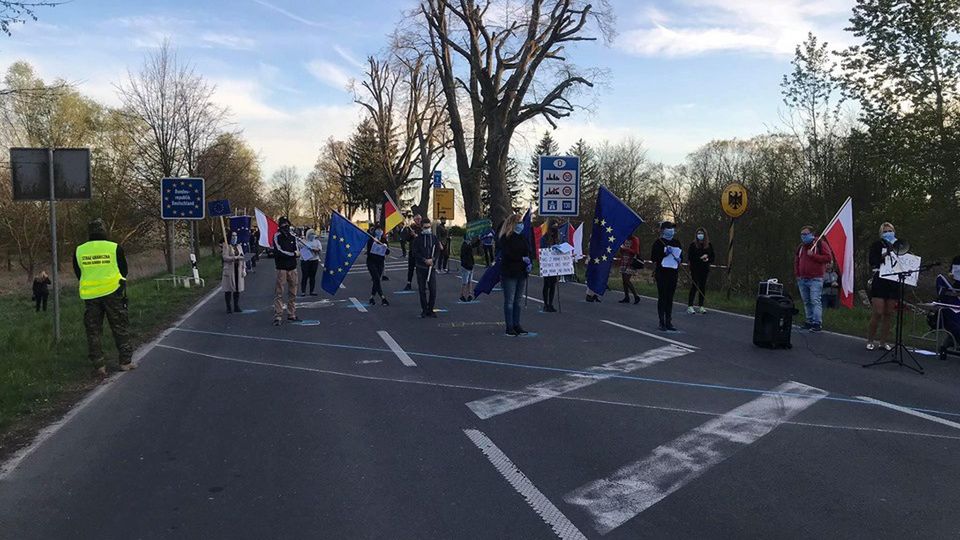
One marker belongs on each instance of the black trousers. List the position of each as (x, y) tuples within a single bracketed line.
[(375, 267), (666, 288), (699, 286), (308, 272), (628, 286), (411, 265), (549, 290), (403, 247), (41, 300), (487, 254), (428, 290)]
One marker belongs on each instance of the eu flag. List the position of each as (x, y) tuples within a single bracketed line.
[(613, 221), (344, 245), (241, 226)]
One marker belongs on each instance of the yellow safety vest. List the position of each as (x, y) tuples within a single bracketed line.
[(99, 272)]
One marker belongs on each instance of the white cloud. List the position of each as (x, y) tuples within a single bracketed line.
[(228, 41), (329, 73), (734, 25)]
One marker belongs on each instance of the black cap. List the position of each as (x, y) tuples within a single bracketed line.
[(666, 225), (283, 221), (97, 228)]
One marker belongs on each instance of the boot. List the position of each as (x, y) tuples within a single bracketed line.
[(236, 302), (226, 297)]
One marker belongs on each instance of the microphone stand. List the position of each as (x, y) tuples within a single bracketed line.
[(899, 351)]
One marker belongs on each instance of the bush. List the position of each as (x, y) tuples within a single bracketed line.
[(457, 230)]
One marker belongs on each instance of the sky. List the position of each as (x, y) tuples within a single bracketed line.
[(680, 72)]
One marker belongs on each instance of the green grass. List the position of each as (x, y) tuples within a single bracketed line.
[(37, 375)]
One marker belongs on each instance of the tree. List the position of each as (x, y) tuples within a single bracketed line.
[(514, 70), (546, 147), (12, 12), (284, 196)]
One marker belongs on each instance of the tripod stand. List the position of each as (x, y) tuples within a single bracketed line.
[(899, 352)]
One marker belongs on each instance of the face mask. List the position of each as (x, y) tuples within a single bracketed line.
[(377, 234), (285, 229), (518, 228), (889, 236), (701, 237), (233, 240), (427, 231), (806, 238), (667, 234)]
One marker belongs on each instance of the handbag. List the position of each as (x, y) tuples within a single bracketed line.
[(636, 263)]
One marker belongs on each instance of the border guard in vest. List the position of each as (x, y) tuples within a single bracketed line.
[(101, 269)]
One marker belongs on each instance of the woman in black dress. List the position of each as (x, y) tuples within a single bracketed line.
[(666, 248), (883, 292)]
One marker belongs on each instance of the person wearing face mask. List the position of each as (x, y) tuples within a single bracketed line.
[(666, 247), (309, 262), (809, 266), (234, 271), (701, 257), (285, 259), (377, 251), (424, 252), (515, 266), (630, 265), (884, 293), (411, 261)]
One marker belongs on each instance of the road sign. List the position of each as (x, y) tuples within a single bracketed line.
[(182, 198), (734, 200), (31, 174), (218, 208), (443, 203), (559, 186), (437, 179)]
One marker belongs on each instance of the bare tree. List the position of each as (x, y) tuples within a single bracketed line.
[(285, 192), (516, 71), (12, 12)]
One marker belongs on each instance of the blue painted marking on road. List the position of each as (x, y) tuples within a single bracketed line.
[(405, 292), (247, 311), (468, 303), (307, 323), (440, 310), (832, 397)]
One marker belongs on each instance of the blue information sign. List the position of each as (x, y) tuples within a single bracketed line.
[(559, 186), (437, 179), (182, 198)]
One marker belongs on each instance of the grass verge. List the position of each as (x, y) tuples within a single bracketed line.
[(40, 379)]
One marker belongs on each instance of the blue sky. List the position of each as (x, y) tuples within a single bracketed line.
[(682, 72)]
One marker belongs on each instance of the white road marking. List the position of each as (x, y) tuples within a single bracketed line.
[(11, 464), (540, 504), (648, 334), (612, 501), (575, 399), (395, 347), (356, 303), (497, 404), (910, 411)]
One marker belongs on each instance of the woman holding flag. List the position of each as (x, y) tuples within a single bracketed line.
[(377, 251)]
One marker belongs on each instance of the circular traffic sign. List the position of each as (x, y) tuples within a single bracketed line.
[(568, 176), (567, 191), (734, 200)]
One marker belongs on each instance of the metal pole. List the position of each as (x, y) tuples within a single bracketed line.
[(733, 223), (53, 251)]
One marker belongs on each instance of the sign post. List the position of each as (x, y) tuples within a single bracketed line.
[(443, 203), (51, 174), (734, 203), (183, 198), (559, 186)]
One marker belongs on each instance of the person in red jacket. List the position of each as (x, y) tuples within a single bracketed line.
[(809, 264)]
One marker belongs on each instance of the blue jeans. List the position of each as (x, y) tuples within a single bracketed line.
[(811, 291), (513, 289)]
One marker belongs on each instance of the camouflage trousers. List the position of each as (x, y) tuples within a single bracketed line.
[(112, 307)]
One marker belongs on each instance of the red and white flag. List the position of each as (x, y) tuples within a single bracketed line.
[(839, 235), (268, 228)]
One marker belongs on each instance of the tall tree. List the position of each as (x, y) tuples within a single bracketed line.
[(284, 196), (547, 146), (514, 69)]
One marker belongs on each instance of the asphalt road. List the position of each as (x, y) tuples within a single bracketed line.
[(374, 423)]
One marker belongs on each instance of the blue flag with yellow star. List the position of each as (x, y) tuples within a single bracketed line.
[(344, 245), (613, 221)]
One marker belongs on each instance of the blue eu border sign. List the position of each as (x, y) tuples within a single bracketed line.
[(559, 186), (182, 198)]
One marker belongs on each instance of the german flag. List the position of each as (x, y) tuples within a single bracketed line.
[(391, 214)]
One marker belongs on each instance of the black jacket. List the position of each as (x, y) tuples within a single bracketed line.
[(657, 252), (424, 247), (513, 248), (466, 256), (694, 252), (373, 257), (285, 251)]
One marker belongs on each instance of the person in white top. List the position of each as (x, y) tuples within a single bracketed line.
[(309, 262)]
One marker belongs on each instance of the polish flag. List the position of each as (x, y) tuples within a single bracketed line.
[(268, 228), (578, 243), (839, 235)]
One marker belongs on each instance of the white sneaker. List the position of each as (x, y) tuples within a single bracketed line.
[(691, 310), (701, 310)]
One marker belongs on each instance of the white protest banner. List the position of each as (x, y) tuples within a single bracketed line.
[(554, 263), (894, 264)]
